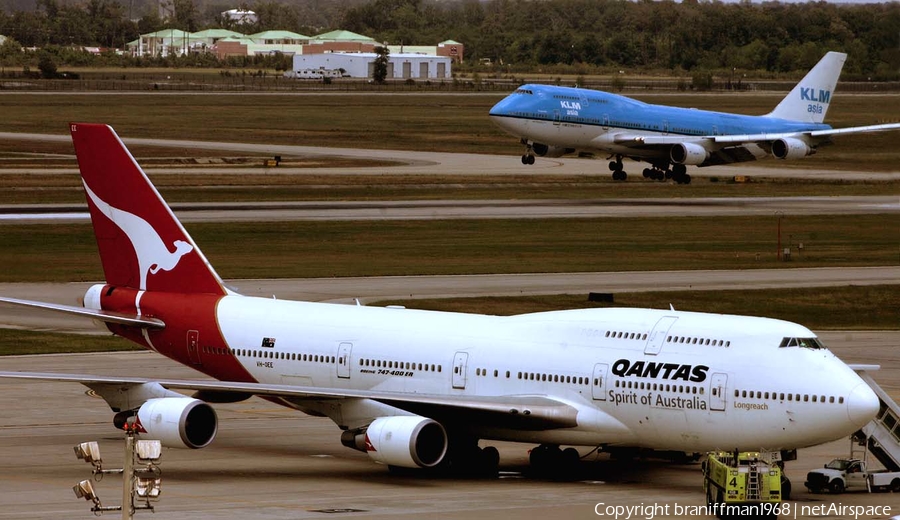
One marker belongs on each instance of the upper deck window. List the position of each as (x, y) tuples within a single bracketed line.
[(812, 343), (523, 91)]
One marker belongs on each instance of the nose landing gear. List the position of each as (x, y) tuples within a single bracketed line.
[(528, 157)]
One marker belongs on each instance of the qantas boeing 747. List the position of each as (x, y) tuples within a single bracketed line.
[(554, 121), (422, 389)]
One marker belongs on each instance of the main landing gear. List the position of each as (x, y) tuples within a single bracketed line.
[(548, 460), (618, 169), (678, 173)]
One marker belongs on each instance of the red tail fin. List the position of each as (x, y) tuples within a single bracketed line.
[(142, 244)]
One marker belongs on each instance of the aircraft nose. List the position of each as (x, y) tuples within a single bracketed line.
[(862, 405)]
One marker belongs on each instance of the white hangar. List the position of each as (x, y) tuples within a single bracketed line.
[(362, 64)]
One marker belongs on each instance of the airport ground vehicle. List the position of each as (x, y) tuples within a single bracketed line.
[(841, 475), (744, 484)]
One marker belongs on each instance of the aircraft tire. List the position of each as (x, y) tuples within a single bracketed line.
[(490, 458), (687, 178)]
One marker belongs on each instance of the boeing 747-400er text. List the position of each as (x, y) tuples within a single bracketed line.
[(554, 121), (421, 389)]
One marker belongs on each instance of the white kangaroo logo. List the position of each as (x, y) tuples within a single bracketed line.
[(153, 254)]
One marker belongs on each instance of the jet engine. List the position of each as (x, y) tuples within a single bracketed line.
[(688, 153), (407, 441), (544, 150), (790, 148), (179, 422)]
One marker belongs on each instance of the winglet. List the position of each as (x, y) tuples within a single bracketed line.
[(142, 244), (808, 102)]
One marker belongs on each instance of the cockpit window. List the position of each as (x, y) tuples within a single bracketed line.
[(812, 343), (523, 91)]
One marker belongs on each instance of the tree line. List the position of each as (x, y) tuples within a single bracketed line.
[(524, 35)]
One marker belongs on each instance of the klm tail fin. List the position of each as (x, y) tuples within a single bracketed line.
[(142, 244), (808, 102)]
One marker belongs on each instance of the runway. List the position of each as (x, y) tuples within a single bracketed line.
[(429, 163), (272, 463), (402, 288), (481, 209)]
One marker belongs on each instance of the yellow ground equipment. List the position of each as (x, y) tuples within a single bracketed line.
[(743, 484)]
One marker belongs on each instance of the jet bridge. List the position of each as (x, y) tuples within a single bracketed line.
[(882, 435)]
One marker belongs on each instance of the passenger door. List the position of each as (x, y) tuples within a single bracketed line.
[(658, 335), (718, 387), (598, 382), (343, 360), (193, 346), (460, 359)]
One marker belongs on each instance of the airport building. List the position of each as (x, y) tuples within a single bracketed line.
[(225, 43), (362, 65)]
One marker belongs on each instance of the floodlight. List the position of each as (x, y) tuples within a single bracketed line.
[(85, 490), (148, 451), (89, 452), (147, 488)]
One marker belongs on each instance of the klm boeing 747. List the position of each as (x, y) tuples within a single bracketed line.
[(553, 121)]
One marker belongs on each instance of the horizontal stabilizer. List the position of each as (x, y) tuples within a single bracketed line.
[(118, 318), (865, 368)]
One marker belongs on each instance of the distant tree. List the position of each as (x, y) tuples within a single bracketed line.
[(186, 17), (380, 71), (47, 65), (10, 53)]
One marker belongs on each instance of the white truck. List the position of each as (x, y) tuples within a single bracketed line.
[(842, 475)]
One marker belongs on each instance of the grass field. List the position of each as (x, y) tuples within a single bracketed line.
[(438, 122), (207, 187), (49, 252)]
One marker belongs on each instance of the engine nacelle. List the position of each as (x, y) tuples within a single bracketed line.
[(92, 301), (790, 148), (544, 150), (688, 153), (407, 441), (179, 422)]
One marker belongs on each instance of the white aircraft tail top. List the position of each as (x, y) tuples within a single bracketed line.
[(808, 102)]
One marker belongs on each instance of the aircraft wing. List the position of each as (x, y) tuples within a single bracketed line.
[(661, 140), (856, 130), (527, 412), (119, 318)]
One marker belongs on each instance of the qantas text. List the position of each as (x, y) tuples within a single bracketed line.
[(672, 371)]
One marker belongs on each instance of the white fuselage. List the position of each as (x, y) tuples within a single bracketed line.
[(638, 377)]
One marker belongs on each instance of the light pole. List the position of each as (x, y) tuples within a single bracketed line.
[(141, 480), (779, 215)]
